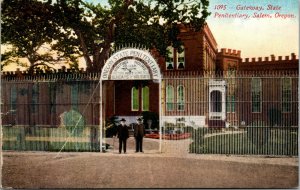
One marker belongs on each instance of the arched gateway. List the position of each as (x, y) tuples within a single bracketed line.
[(130, 64)]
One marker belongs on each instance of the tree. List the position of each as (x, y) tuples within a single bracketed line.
[(77, 27), (28, 31)]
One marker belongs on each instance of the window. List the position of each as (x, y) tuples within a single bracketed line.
[(256, 94), (145, 98), (134, 99), (230, 103), (216, 101), (286, 94), (13, 98), (35, 98), (230, 98), (170, 97), (231, 76), (74, 96), (180, 98), (170, 58), (181, 59)]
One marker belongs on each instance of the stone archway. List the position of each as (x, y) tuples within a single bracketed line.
[(130, 64)]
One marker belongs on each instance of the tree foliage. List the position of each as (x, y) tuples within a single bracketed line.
[(74, 28)]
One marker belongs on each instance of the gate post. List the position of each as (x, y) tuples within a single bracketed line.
[(100, 118), (160, 116)]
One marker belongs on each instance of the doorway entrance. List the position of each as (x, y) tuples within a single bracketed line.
[(137, 70)]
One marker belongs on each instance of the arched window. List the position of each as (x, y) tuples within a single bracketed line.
[(134, 99), (180, 98), (170, 97), (145, 98), (170, 58), (216, 101), (181, 59)]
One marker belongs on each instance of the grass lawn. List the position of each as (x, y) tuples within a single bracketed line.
[(275, 142)]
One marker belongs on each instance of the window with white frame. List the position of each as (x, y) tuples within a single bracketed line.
[(170, 97), (134, 99), (181, 58), (180, 98), (170, 58), (286, 94), (256, 95)]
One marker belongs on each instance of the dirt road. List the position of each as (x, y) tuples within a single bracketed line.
[(111, 170), (174, 168)]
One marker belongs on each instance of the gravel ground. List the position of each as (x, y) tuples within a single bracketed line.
[(170, 169)]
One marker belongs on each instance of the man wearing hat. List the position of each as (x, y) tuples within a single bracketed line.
[(123, 135), (139, 132)]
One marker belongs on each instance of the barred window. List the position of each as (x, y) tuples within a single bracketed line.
[(256, 94), (180, 98), (170, 97), (286, 94), (134, 99), (145, 98)]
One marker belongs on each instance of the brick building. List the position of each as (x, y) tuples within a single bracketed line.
[(200, 86)]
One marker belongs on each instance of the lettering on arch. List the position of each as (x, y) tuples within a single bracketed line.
[(131, 64)]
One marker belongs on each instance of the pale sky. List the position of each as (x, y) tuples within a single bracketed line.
[(256, 37)]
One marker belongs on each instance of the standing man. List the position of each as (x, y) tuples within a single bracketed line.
[(123, 135), (139, 132)]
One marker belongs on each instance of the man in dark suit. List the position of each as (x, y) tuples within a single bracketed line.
[(139, 132), (123, 135)]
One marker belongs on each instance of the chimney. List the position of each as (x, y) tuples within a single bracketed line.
[(279, 58), (293, 55)]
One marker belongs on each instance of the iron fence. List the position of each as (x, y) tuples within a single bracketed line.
[(27, 138), (219, 113), (246, 141)]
